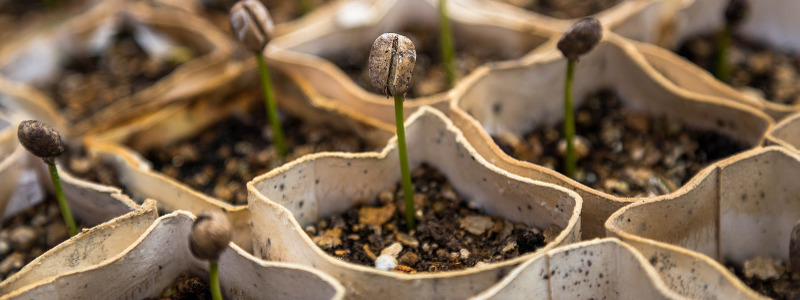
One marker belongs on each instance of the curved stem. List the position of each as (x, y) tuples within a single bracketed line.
[(66, 213), (570, 164), (408, 191), (723, 69), (446, 43), (271, 106), (213, 278)]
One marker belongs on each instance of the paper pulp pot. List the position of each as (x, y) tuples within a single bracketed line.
[(739, 208), (650, 21), (786, 133), (517, 97), (284, 200), (37, 60), (600, 268), (12, 160), (161, 253), (39, 17), (348, 26), (772, 22), (85, 250)]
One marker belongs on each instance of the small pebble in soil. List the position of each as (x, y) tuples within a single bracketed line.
[(756, 69), (29, 234), (627, 153), (449, 236), (186, 287), (769, 277), (222, 159), (564, 9)]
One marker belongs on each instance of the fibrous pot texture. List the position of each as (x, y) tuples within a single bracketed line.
[(283, 201), (162, 252), (786, 133), (515, 98)]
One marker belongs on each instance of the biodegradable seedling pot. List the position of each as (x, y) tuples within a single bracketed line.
[(650, 21), (354, 25), (605, 268), (39, 16), (284, 200), (11, 163), (37, 60), (156, 258), (85, 250), (516, 97), (739, 208), (771, 22), (786, 133)]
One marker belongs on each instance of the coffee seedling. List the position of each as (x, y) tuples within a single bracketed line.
[(446, 44), (391, 64), (45, 142), (210, 236), (735, 13), (252, 25), (578, 40)]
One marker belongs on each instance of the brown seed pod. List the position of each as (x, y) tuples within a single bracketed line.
[(252, 24), (41, 140), (211, 233), (580, 38), (736, 12), (391, 63)]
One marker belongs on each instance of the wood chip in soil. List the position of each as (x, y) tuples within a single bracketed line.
[(450, 235), (222, 159), (756, 68), (186, 287), (769, 277), (428, 77), (29, 234), (564, 9), (624, 153), (93, 82)]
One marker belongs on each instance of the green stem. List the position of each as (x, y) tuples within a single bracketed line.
[(271, 106), (569, 122), (213, 278), (446, 41), (723, 69), (408, 191), (66, 213), (305, 6)]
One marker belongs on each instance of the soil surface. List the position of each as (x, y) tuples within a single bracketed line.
[(769, 277), (221, 160), (624, 153), (564, 9), (78, 163), (755, 68), (428, 78), (186, 287), (90, 83), (450, 235), (29, 234)]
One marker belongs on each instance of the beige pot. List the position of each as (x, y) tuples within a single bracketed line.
[(36, 60), (772, 22), (35, 21), (161, 252), (605, 268), (786, 133), (85, 250), (286, 199), (516, 97), (354, 25), (11, 163), (742, 207), (650, 21)]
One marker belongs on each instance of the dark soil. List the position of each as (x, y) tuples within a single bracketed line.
[(449, 236), (78, 163), (221, 160), (628, 154), (186, 287), (784, 285), (564, 9), (90, 83), (29, 234), (19, 10), (774, 75), (428, 78)]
